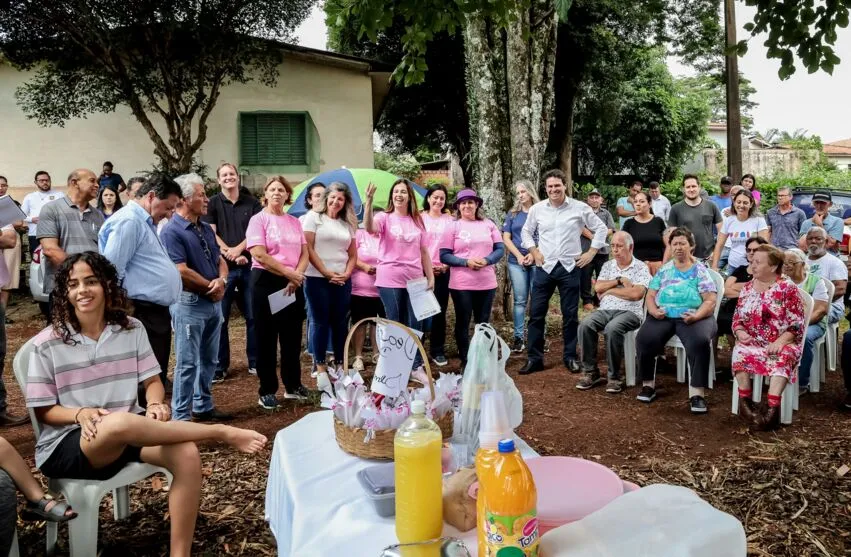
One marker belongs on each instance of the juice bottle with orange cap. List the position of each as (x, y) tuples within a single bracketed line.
[(510, 500)]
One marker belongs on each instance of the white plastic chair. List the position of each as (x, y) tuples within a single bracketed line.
[(831, 336), (821, 350), (84, 495), (675, 343), (13, 550), (789, 402)]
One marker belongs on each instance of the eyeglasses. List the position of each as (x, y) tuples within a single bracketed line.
[(751, 250)]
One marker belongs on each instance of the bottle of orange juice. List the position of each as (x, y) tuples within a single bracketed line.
[(417, 451), (493, 427), (510, 517)]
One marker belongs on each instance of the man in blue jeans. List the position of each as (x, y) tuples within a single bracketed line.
[(197, 316), (228, 213), (551, 234)]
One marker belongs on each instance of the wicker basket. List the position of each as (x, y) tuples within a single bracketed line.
[(380, 446)]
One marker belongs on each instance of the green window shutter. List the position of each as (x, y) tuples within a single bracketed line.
[(272, 139)]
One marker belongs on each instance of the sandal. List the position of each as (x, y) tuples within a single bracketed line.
[(38, 510)]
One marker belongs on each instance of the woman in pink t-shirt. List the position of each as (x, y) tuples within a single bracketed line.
[(472, 246), (402, 251), (365, 300), (437, 221), (279, 259)]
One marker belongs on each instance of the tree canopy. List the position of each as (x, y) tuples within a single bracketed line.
[(166, 60)]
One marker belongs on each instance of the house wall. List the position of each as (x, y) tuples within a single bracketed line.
[(842, 162), (339, 102), (760, 162)]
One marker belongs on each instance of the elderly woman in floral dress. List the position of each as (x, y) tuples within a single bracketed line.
[(769, 327)]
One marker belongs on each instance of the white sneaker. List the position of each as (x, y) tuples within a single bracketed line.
[(323, 383), (252, 371), (357, 365)]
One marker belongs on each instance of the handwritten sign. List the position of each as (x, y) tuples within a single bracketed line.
[(396, 352)]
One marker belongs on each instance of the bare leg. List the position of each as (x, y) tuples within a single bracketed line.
[(358, 337), (776, 385), (184, 495), (4, 298), (14, 465), (116, 431), (744, 381)]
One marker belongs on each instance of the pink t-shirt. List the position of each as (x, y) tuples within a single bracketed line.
[(399, 255), (281, 235), (435, 229), (363, 284), (472, 239)]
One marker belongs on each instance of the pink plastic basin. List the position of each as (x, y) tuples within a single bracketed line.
[(570, 489)]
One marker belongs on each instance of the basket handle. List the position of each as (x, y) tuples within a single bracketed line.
[(379, 321)]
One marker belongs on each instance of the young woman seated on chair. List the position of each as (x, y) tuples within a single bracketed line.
[(83, 376)]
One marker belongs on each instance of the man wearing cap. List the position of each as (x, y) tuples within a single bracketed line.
[(595, 201), (551, 234), (833, 225), (785, 221), (722, 200), (660, 204)]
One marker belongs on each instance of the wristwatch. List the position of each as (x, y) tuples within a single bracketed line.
[(619, 282), (224, 280)]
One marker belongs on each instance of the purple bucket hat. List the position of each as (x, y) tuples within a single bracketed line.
[(467, 193)]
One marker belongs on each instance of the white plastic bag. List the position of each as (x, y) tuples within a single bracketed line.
[(485, 371), (655, 520)]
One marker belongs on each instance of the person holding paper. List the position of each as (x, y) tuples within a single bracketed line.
[(197, 315), (12, 256), (329, 230), (437, 220), (402, 251), (278, 260), (473, 245)]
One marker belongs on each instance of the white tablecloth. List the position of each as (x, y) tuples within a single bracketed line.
[(314, 504)]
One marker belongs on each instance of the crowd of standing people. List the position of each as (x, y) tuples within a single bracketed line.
[(166, 263)]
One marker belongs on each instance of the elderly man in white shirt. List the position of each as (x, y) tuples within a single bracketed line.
[(557, 223), (621, 285)]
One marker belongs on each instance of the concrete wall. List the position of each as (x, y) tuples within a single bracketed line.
[(842, 162), (339, 102)]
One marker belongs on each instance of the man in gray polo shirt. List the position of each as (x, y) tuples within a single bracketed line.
[(785, 221), (70, 224)]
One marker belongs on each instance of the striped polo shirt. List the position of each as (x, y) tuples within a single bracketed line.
[(96, 374)]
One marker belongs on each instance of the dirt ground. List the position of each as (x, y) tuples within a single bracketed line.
[(662, 442)]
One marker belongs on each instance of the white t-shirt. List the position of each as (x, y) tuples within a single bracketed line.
[(830, 267), (32, 204), (738, 233), (333, 237)]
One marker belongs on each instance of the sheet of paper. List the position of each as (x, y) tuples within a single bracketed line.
[(423, 300), (396, 351), (279, 300), (9, 211)]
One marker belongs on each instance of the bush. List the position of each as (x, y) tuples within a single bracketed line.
[(404, 165), (435, 181)]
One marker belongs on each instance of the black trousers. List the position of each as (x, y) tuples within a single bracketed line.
[(283, 328), (470, 303), (157, 322), (696, 337), (543, 286), (437, 336), (587, 273)]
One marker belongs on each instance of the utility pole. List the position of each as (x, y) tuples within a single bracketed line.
[(734, 117)]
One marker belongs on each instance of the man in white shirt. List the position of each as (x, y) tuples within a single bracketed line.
[(33, 202), (660, 204), (621, 285), (829, 267), (551, 234)]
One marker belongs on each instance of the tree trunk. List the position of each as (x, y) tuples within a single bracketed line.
[(566, 161), (510, 98)]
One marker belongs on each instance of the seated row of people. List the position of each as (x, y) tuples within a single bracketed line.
[(763, 314)]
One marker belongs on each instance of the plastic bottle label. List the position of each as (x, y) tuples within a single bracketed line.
[(511, 535)]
